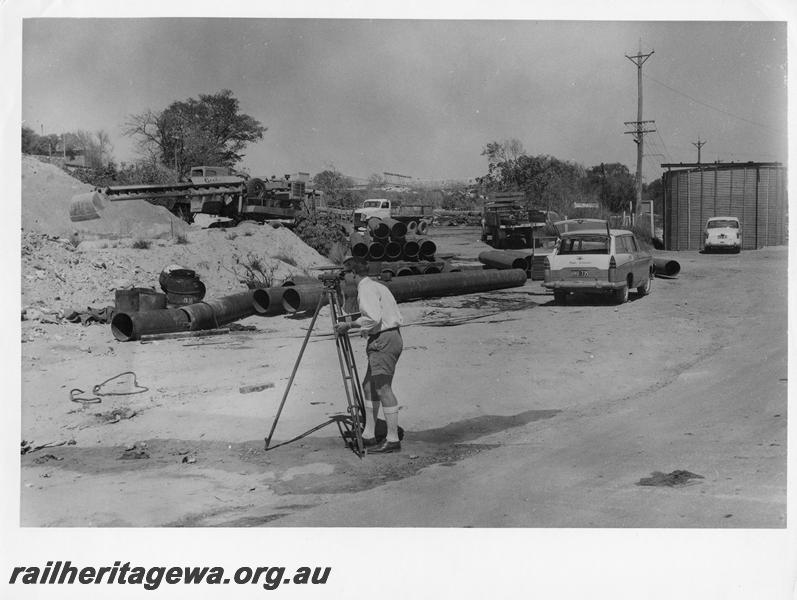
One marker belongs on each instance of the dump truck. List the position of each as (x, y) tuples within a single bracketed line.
[(383, 208), (508, 223), (218, 191)]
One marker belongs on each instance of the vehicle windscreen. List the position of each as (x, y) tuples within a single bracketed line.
[(722, 223), (584, 244), (371, 204)]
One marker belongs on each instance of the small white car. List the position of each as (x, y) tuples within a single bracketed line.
[(592, 258), (722, 233)]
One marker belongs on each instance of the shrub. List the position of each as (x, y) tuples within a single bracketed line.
[(253, 271), (142, 244), (181, 239), (321, 231)]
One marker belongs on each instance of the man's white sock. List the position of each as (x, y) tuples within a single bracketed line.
[(371, 412), (391, 417)]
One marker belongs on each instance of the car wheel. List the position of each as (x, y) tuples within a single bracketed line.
[(560, 297), (644, 290), (621, 295)]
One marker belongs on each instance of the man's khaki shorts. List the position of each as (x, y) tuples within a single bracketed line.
[(383, 351)]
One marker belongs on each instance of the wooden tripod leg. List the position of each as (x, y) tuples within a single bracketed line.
[(295, 368), (349, 373)]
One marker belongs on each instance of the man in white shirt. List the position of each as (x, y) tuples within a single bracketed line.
[(380, 322)]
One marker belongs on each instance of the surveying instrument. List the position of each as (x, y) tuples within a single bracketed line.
[(349, 426)]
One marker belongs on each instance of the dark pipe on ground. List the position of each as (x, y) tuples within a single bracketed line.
[(426, 247), (431, 269), (377, 228), (359, 244), (215, 313), (397, 229), (376, 251), (268, 301), (393, 250), (131, 326), (528, 255), (498, 259), (410, 250), (414, 287), (304, 297), (666, 267)]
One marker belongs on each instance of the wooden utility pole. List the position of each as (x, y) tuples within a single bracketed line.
[(698, 145), (639, 127)]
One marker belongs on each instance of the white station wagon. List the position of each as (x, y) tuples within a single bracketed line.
[(592, 258), (722, 233)]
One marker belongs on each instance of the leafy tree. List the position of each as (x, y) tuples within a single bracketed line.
[(613, 184), (334, 185), (545, 181), (207, 131), (376, 181), (96, 148), (29, 140)]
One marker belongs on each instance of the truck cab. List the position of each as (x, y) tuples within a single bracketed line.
[(205, 174), (374, 207)]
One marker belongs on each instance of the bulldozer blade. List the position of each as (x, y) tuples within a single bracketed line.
[(85, 207)]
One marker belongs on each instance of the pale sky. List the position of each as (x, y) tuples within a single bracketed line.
[(423, 97)]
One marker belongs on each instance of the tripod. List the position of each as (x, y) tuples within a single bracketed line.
[(351, 427)]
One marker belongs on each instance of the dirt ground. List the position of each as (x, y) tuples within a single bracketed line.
[(516, 412)]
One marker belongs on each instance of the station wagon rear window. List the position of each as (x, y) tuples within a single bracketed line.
[(720, 224), (584, 244)]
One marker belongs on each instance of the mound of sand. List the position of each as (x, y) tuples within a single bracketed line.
[(62, 270), (47, 192)]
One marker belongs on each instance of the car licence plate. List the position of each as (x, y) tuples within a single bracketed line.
[(581, 273)]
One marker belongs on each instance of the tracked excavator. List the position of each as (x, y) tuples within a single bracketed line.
[(219, 191)]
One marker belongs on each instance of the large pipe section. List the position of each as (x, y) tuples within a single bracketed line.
[(359, 244), (215, 313), (397, 229), (410, 250), (302, 298), (130, 326), (666, 267), (498, 259), (376, 251), (393, 250), (414, 287), (377, 228), (268, 301), (192, 317), (426, 246)]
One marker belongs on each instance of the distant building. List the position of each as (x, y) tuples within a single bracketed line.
[(754, 192)]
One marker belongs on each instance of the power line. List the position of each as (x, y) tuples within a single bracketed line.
[(666, 152), (730, 114)]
